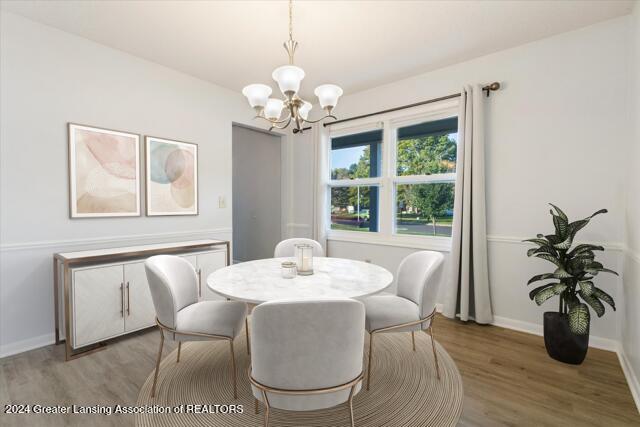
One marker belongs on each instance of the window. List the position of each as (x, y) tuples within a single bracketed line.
[(426, 162), (395, 182), (356, 162)]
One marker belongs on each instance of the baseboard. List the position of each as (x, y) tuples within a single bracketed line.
[(630, 375), (536, 329), (26, 345)]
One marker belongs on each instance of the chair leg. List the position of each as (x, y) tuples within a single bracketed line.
[(433, 347), (179, 348), (267, 408), (246, 331), (233, 370), (257, 408), (370, 366), (413, 340), (155, 376), (350, 403)]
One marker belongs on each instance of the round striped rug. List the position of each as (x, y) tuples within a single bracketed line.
[(404, 389)]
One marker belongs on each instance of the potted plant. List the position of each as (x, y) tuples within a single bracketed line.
[(566, 332)]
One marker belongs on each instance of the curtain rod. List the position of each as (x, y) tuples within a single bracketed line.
[(488, 89)]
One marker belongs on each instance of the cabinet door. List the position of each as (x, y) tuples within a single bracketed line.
[(208, 263), (139, 310), (97, 304)]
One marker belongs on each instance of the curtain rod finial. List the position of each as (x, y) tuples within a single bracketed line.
[(491, 87)]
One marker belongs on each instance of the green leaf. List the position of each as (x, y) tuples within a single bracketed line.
[(545, 294), (560, 225), (538, 289), (540, 277), (579, 319), (565, 244), (549, 258), (606, 270), (561, 214), (584, 248), (597, 292), (594, 302), (539, 242), (561, 273), (586, 287)]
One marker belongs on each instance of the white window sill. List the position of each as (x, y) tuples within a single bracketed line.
[(433, 243)]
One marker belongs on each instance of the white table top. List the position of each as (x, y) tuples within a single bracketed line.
[(259, 281), (139, 248)]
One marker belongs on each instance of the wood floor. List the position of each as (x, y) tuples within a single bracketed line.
[(508, 378)]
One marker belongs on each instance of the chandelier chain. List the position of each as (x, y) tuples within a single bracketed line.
[(290, 19)]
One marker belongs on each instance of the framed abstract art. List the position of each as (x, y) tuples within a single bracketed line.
[(104, 172), (171, 177)]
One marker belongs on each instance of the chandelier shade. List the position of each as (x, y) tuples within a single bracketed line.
[(257, 94), (273, 109), (305, 109), (328, 95), (289, 77)]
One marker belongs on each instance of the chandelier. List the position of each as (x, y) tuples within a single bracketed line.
[(288, 78)]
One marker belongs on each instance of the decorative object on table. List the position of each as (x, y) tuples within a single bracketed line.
[(287, 248), (104, 172), (288, 78), (566, 332), (288, 269), (304, 259), (171, 177)]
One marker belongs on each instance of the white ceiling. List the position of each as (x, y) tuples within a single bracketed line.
[(355, 44)]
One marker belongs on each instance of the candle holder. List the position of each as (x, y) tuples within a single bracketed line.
[(289, 269), (304, 259)]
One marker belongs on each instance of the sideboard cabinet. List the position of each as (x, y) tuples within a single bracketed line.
[(104, 294)]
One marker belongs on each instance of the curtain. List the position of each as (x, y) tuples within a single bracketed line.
[(467, 290), (320, 141)]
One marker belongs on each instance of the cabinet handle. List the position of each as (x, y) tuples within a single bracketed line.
[(128, 301), (199, 282), (121, 299)]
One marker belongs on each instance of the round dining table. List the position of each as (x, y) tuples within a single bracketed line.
[(259, 281)]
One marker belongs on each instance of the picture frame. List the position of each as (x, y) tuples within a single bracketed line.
[(103, 171), (171, 177)]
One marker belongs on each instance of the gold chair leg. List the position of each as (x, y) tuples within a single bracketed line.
[(350, 403), (257, 408), (433, 347), (413, 340), (369, 366), (155, 377), (267, 408), (179, 348), (233, 370), (246, 331)]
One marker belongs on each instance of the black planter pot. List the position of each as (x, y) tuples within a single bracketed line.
[(561, 343)]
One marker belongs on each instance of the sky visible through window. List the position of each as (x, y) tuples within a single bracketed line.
[(345, 157)]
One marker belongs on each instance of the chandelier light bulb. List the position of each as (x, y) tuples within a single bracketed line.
[(328, 95), (288, 78), (273, 109), (257, 94)]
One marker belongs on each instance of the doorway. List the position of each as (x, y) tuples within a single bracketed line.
[(257, 198)]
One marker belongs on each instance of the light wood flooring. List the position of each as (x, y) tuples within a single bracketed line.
[(508, 380)]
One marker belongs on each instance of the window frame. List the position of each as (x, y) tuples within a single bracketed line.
[(388, 180)]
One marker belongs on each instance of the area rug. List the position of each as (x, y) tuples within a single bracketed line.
[(404, 389)]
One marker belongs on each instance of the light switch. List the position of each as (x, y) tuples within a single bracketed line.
[(222, 203)]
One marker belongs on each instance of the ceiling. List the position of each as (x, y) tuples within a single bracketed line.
[(355, 44)]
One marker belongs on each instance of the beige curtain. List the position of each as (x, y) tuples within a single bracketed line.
[(467, 292)]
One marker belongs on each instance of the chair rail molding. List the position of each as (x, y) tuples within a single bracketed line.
[(611, 246), (8, 247)]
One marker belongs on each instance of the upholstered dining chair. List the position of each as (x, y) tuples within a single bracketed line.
[(287, 248), (412, 308), (307, 354), (179, 315)]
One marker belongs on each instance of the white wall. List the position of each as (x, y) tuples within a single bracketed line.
[(556, 132), (48, 78), (630, 299)]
